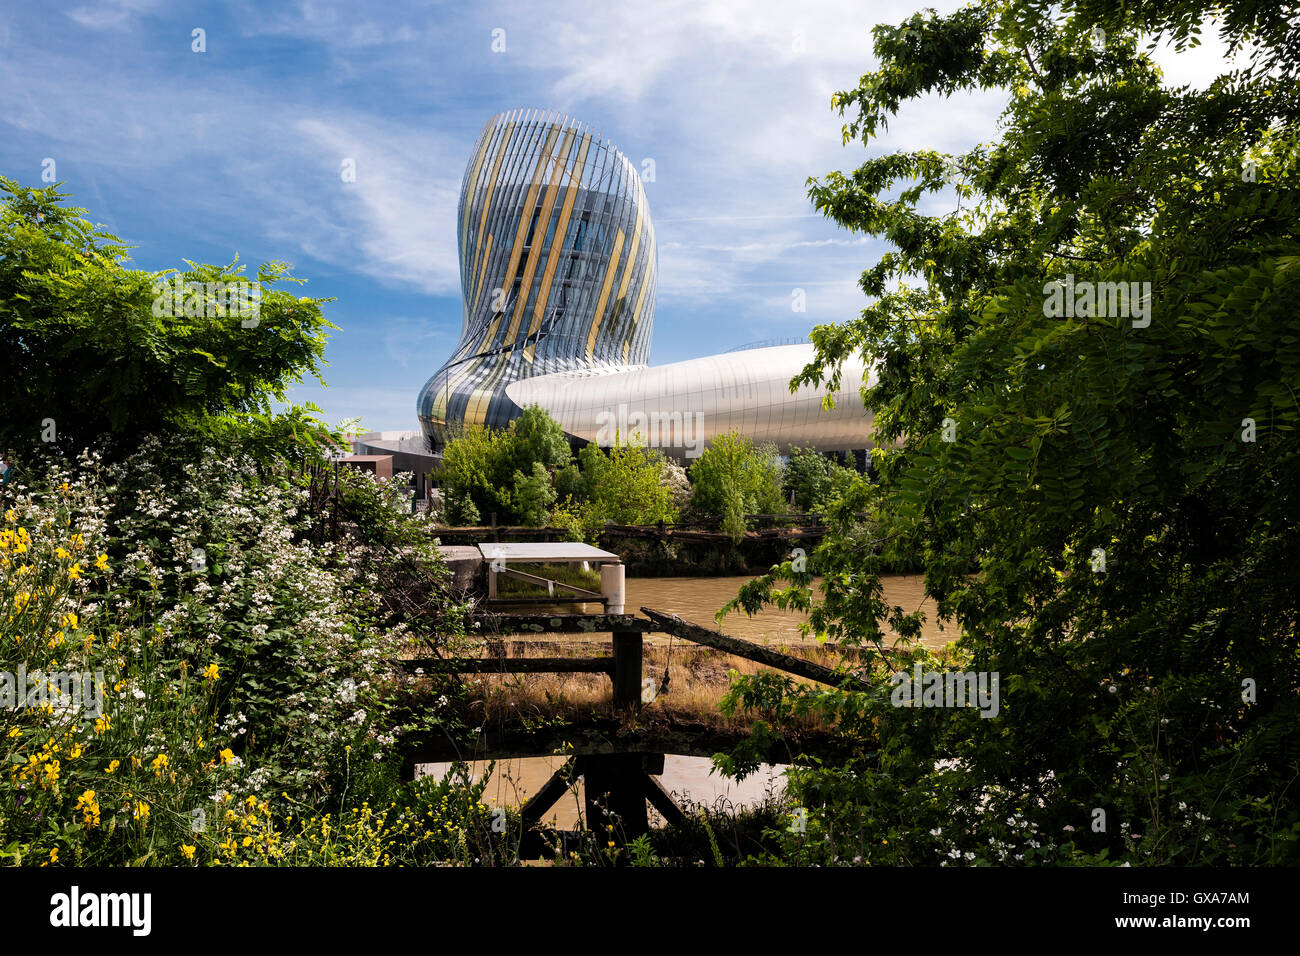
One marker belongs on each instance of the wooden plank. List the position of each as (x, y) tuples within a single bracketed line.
[(673, 624), (562, 623), (540, 599), (549, 793), (509, 665), (627, 670), (663, 801)]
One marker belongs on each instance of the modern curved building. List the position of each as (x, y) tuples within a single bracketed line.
[(558, 267)]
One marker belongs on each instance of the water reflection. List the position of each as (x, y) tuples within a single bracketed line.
[(687, 778)]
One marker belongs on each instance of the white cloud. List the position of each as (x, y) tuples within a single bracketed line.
[(110, 14)]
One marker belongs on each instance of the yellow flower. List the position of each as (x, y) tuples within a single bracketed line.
[(211, 672), (74, 572), (101, 562), (159, 764), (226, 755), (11, 516), (54, 855), (77, 541), (187, 851), (113, 765), (61, 554), (89, 808), (101, 726), (141, 810)]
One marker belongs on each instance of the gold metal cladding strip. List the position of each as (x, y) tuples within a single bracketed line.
[(558, 164), (471, 186), (462, 375), (480, 400), (557, 245), (525, 220), (647, 280), (592, 198), (481, 273), (631, 258), (492, 217), (604, 293), (502, 148)]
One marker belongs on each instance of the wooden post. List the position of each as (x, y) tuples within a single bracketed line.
[(616, 781), (627, 670), (627, 644)]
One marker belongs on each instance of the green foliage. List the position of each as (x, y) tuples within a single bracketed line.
[(624, 485), (486, 471), (533, 495), (814, 480), (733, 478), (82, 343), (522, 471), (1104, 502), (237, 658)]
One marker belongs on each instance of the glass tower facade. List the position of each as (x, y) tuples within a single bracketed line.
[(557, 267)]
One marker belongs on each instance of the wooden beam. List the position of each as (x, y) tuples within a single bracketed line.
[(627, 670), (509, 665), (550, 792), (673, 624), (663, 801), (540, 599), (562, 623)]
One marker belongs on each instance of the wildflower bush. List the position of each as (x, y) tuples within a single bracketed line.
[(106, 776), (231, 661)]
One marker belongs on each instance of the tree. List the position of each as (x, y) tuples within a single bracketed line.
[(813, 480), (90, 348), (532, 495), (486, 471), (733, 478), (536, 438), (631, 488), (1094, 390)]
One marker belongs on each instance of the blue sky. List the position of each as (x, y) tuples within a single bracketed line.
[(238, 150)]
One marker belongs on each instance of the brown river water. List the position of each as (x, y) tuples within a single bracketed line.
[(691, 778)]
